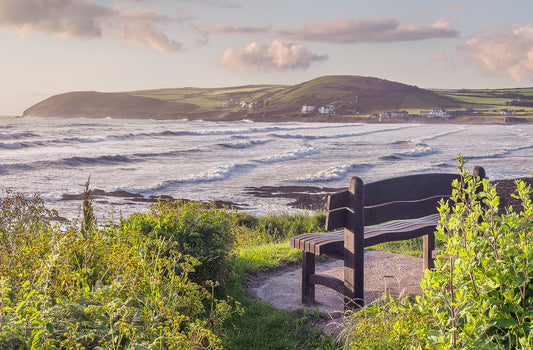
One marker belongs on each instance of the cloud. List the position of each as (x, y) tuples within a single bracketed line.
[(64, 18), (86, 20), (506, 52), (280, 55), (439, 56), (375, 30), (139, 27)]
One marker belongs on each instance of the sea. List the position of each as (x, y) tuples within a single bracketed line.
[(207, 161)]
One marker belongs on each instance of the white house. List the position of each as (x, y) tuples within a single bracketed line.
[(326, 110), (394, 114), (438, 113), (308, 109)]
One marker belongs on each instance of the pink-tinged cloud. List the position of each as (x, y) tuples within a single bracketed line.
[(507, 52), (278, 56), (376, 30), (439, 56), (139, 27), (64, 18)]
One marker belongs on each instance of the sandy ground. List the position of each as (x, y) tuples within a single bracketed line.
[(384, 272)]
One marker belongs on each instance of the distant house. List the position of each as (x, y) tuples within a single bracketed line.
[(393, 114), (438, 113), (507, 112), (224, 105), (306, 109), (326, 110), (250, 105)]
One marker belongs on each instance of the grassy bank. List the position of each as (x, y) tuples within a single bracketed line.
[(170, 278)]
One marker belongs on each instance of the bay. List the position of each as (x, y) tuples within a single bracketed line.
[(201, 160)]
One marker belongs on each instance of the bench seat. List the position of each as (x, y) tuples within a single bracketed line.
[(333, 242)]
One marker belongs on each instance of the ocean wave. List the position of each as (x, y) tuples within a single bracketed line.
[(215, 174), (390, 157), (17, 135), (336, 173), (81, 161), (442, 134), (499, 153), (11, 145), (89, 139), (335, 136), (416, 149), (244, 144), (302, 151)]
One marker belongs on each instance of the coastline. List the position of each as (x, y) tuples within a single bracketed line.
[(259, 117), (309, 198)]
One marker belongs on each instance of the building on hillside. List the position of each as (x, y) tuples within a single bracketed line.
[(394, 114), (438, 113), (326, 110), (250, 105), (306, 109), (507, 112)]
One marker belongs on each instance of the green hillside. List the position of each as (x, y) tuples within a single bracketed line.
[(354, 94), (350, 95)]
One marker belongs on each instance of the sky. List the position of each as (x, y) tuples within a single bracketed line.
[(48, 47)]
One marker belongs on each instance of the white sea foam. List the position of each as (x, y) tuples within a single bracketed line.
[(302, 151), (335, 173)]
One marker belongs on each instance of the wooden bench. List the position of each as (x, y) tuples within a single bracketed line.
[(388, 210)]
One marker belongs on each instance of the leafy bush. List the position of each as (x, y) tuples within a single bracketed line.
[(386, 324), (197, 230), (99, 289), (480, 294)]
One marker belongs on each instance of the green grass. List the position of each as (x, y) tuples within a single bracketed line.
[(261, 326)]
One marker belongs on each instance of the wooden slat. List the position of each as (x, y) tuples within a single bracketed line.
[(338, 218), (319, 243), (408, 188), (401, 210), (338, 200), (328, 281)]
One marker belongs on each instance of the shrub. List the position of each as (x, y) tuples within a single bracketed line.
[(275, 227), (198, 230), (480, 292), (114, 288)]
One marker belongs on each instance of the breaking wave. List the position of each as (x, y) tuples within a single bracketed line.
[(302, 151), (336, 173)]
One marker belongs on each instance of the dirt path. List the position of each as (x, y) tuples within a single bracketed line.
[(384, 272)]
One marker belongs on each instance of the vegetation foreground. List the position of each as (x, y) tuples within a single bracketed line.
[(174, 278)]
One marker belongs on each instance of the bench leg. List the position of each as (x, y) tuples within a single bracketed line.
[(354, 279), (429, 247), (308, 268)]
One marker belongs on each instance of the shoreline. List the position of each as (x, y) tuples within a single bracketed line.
[(310, 198), (300, 118)]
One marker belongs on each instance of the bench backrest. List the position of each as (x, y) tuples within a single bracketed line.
[(405, 197)]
